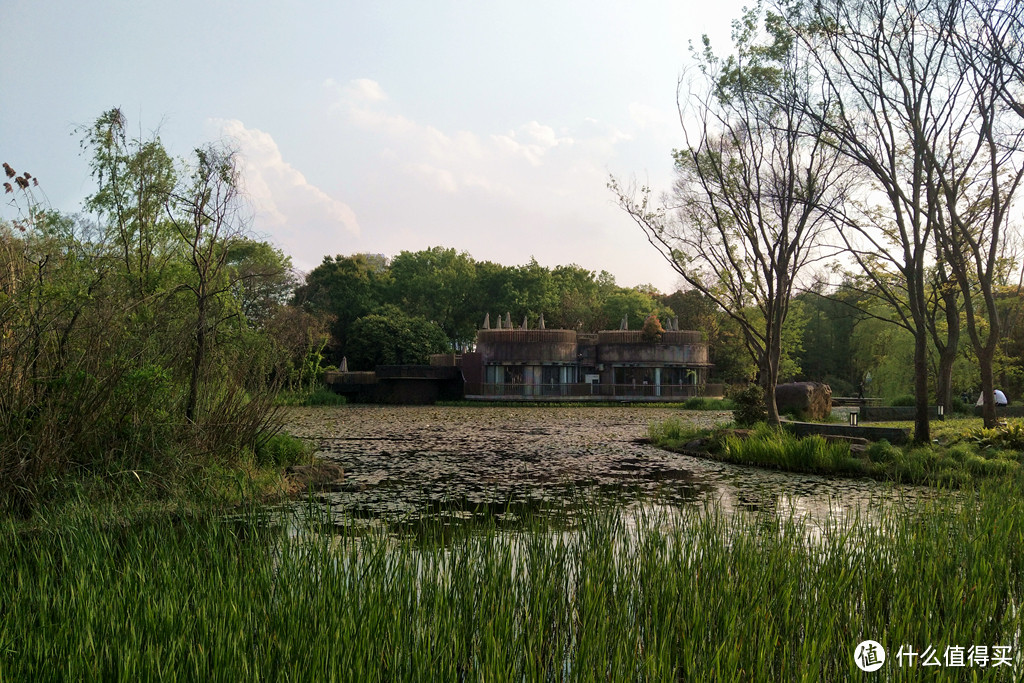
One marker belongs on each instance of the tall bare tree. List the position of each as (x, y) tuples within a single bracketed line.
[(756, 187), (980, 167), (890, 72)]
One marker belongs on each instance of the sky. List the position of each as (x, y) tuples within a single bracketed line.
[(490, 127)]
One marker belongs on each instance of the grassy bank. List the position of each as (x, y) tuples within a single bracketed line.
[(963, 454), (207, 484), (699, 596)]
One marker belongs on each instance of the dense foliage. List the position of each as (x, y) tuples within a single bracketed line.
[(136, 342), (455, 292)]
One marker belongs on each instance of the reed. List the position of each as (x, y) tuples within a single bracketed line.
[(962, 458), (692, 595), (314, 396)]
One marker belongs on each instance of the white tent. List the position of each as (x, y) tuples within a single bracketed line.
[(1000, 398)]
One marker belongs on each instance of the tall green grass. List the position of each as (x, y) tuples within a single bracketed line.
[(775, 447), (314, 396), (695, 596), (964, 459)]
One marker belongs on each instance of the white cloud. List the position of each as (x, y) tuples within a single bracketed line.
[(296, 213), (364, 89), (534, 189), (443, 180), (647, 116)]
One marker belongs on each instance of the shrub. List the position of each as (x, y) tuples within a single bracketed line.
[(652, 329), (702, 403), (840, 387), (750, 408), (883, 451), (322, 396), (1011, 437), (903, 402), (281, 450)]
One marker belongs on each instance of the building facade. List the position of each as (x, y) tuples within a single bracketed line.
[(614, 364)]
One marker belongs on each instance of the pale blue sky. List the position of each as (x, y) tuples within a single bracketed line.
[(490, 127)]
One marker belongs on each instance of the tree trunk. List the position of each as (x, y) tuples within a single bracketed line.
[(944, 380), (947, 355), (197, 360), (770, 378), (922, 428), (988, 397)]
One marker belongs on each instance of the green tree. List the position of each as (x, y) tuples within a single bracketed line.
[(908, 110), (831, 317), (344, 289), (262, 276), (438, 284), (206, 214), (633, 304), (979, 169), (135, 178), (494, 291), (393, 338)]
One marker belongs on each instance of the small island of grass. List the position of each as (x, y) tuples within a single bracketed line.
[(963, 453)]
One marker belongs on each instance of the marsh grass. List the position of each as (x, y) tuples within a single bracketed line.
[(779, 448), (695, 595), (963, 455), (315, 396)]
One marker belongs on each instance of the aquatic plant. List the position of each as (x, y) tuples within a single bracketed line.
[(694, 595)]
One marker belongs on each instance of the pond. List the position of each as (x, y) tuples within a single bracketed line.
[(416, 461)]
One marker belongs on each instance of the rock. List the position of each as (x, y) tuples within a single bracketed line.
[(315, 476), (808, 400)]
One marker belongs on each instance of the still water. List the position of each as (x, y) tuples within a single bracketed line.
[(416, 461)]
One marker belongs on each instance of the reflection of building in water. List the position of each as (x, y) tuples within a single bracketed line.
[(614, 363)]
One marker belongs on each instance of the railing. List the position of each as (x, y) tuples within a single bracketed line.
[(855, 401), (599, 390)]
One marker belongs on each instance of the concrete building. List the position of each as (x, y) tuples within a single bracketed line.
[(612, 364)]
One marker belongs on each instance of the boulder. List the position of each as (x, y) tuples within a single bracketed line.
[(807, 400)]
